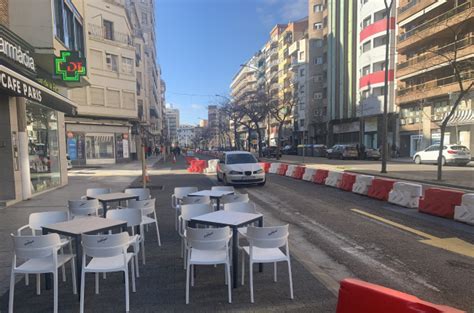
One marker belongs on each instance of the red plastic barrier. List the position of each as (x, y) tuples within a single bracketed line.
[(298, 172), (320, 176), (188, 159), (380, 188), (197, 166), (347, 181), (356, 296), (266, 166), (282, 169), (440, 202)]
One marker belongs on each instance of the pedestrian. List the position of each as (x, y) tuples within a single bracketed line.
[(362, 152)]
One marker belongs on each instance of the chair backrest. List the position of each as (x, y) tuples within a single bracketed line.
[(38, 220), (188, 211), (102, 246), (181, 192), (133, 217), (223, 188), (268, 237), (83, 207), (29, 247), (208, 238), (243, 207), (241, 197), (196, 200), (147, 206), (142, 193), (93, 192)]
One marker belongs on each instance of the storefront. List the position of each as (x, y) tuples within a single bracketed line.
[(32, 145)]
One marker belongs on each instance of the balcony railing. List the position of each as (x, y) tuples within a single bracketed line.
[(120, 3), (440, 51), (435, 21), (434, 84), (99, 32), (410, 4)]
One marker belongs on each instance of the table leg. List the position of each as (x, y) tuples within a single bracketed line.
[(218, 204), (235, 256), (47, 277), (77, 240), (260, 224), (104, 207)]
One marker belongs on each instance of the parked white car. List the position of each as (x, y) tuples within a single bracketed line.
[(452, 154), (240, 167)]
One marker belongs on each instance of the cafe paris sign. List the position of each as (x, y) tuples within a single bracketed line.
[(16, 53)]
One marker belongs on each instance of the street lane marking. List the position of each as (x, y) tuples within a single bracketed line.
[(455, 245)]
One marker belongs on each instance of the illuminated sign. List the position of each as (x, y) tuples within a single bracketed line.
[(70, 66)]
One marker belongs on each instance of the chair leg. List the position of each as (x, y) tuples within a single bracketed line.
[(176, 219), (73, 271), (55, 288), (83, 284), (275, 271), (63, 268), (96, 283), (187, 283), (251, 280), (127, 296), (12, 292), (27, 280), (134, 289), (143, 250), (157, 230), (38, 284), (243, 268), (136, 265), (192, 275), (291, 279), (229, 285)]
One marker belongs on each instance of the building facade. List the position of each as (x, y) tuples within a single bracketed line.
[(172, 124), (213, 126), (429, 34), (185, 134)]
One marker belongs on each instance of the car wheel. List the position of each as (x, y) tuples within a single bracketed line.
[(262, 184), (417, 160), (443, 161)]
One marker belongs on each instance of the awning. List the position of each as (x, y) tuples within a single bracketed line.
[(18, 85), (461, 117)]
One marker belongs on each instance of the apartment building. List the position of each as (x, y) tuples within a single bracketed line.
[(429, 33), (33, 102), (372, 27), (172, 124), (213, 125), (185, 134)]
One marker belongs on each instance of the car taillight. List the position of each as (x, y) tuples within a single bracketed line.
[(452, 152)]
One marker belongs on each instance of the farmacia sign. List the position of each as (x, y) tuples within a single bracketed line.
[(16, 53)]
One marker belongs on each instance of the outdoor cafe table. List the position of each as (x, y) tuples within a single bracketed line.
[(213, 194), (234, 220), (113, 197), (78, 226)]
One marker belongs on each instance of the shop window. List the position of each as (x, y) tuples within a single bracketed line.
[(43, 147), (99, 146)]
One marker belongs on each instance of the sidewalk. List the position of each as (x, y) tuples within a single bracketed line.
[(401, 169), (161, 286)]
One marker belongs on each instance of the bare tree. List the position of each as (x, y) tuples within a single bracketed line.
[(232, 113), (281, 110)]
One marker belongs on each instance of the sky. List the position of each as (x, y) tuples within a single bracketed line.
[(201, 44)]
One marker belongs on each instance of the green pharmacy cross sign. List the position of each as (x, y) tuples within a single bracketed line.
[(70, 66)]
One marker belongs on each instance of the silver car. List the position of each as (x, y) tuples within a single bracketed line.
[(240, 167)]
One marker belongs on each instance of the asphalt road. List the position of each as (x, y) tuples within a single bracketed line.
[(336, 242)]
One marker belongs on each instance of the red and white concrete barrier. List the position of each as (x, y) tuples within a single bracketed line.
[(362, 184), (334, 178), (465, 212), (309, 174), (405, 194)]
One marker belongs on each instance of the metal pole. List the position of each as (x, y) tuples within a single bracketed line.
[(143, 158), (385, 92)]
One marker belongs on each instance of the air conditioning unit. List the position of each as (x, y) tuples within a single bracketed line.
[(409, 120), (403, 121), (417, 120)]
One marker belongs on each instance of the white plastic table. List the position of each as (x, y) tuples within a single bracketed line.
[(234, 220), (213, 194)]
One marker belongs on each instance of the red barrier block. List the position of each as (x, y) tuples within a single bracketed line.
[(265, 166), (298, 172), (320, 176), (356, 296), (197, 166), (380, 188), (347, 181), (440, 202), (282, 169), (188, 159)]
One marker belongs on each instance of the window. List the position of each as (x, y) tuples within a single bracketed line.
[(366, 22), (111, 61), (378, 91), (108, 30), (240, 158), (366, 46), (59, 19), (380, 41), (318, 60), (379, 66), (379, 15), (100, 146), (302, 72), (301, 55), (366, 70), (364, 94), (68, 26), (79, 31), (302, 122), (319, 43), (69, 40), (144, 18), (318, 26), (318, 95), (127, 65), (317, 8)]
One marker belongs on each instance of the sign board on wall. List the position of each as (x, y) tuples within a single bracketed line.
[(69, 66), (346, 128)]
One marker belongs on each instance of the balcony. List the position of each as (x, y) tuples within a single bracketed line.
[(436, 56), (430, 89), (448, 19), (412, 7), (98, 32)]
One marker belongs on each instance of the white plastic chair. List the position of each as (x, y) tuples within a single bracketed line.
[(133, 217), (196, 200), (82, 208), (36, 221), (142, 193), (240, 197), (109, 254), (148, 217), (188, 211), (265, 243), (41, 255), (223, 188), (93, 192), (242, 207), (207, 246), (177, 196)]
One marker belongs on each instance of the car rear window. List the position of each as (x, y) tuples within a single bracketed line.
[(460, 148), (350, 148), (241, 158)]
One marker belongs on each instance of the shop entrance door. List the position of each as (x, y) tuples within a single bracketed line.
[(415, 144), (100, 148)]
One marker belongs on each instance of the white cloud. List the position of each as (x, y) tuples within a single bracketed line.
[(272, 12), (197, 107), (294, 10)]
